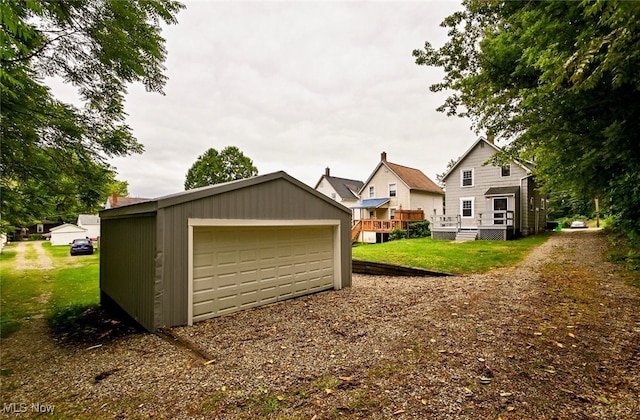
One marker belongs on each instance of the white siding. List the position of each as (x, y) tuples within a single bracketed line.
[(65, 234), (405, 198), (380, 181), (327, 189), (430, 203)]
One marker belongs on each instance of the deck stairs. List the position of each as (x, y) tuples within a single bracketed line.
[(466, 235), (355, 231)]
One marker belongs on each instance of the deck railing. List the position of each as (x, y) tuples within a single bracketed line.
[(445, 223), (382, 225), (504, 218), (379, 226)]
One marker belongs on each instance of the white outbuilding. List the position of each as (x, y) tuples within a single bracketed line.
[(91, 222), (65, 234)]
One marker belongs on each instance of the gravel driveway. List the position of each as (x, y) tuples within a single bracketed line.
[(556, 337)]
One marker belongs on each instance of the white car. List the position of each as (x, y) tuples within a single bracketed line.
[(579, 224)]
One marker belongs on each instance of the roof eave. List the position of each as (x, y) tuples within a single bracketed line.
[(464, 155), (175, 199)]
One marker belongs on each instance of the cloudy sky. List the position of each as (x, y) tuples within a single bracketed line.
[(296, 86)]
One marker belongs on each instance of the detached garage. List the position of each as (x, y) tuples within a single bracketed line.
[(65, 234), (216, 250)]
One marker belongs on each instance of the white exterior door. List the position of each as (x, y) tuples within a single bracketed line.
[(499, 210), (235, 268)]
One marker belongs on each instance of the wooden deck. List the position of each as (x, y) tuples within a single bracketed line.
[(401, 220)]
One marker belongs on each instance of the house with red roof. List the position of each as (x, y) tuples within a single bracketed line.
[(392, 197), (115, 200)]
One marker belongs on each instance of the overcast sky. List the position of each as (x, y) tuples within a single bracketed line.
[(298, 87)]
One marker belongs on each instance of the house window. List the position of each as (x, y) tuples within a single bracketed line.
[(371, 215), (40, 228), (392, 213), (467, 177), (392, 190), (505, 170), (372, 192), (531, 204), (466, 207)]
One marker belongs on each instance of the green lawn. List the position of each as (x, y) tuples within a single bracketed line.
[(77, 285), (27, 293), (449, 256)]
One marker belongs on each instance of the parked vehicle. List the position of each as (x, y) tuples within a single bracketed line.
[(81, 247), (579, 224)]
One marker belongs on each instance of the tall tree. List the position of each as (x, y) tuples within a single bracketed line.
[(559, 83), (215, 168), (52, 150)]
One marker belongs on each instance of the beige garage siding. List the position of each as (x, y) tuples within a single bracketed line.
[(240, 267)]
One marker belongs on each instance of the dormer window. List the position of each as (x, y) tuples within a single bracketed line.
[(467, 178)]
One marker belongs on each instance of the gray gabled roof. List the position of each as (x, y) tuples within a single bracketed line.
[(347, 189), (153, 205), (524, 165)]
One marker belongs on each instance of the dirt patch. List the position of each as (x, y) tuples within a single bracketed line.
[(556, 337), (94, 325)]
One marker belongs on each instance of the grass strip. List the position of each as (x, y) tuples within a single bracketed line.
[(450, 256)]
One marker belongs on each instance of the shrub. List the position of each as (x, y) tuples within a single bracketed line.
[(419, 229), (398, 233)]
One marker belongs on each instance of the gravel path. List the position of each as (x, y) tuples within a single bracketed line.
[(556, 337)]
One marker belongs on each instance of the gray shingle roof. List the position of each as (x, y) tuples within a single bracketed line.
[(347, 189)]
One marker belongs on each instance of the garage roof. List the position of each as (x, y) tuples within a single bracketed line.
[(153, 205)]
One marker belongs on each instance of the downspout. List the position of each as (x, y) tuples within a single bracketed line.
[(521, 206)]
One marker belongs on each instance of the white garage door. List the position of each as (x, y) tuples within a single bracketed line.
[(236, 268)]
